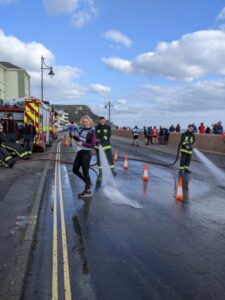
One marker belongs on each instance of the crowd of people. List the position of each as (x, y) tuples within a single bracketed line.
[(215, 128), (154, 135)]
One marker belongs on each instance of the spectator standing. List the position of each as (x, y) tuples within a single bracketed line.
[(201, 128), (166, 136), (154, 135), (208, 129), (72, 131), (150, 134), (135, 132), (172, 128), (146, 135), (218, 128), (195, 130), (161, 135), (177, 128)]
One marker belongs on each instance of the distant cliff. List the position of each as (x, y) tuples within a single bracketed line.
[(76, 112)]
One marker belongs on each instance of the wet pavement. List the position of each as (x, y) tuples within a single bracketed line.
[(136, 242)]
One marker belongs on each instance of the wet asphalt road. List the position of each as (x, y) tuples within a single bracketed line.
[(142, 244)]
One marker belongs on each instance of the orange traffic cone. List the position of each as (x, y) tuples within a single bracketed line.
[(66, 140), (125, 166), (116, 155), (145, 176), (179, 195)]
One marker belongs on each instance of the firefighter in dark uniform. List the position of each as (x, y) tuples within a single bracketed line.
[(187, 141), (5, 157), (10, 128), (29, 132), (10, 145), (103, 134)]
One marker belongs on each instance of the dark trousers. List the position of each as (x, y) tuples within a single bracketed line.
[(108, 153), (11, 137), (83, 159), (185, 161), (28, 143), (14, 149)]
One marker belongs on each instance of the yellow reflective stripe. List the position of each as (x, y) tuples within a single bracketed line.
[(186, 151), (4, 164), (105, 138), (8, 158), (105, 131), (107, 147), (33, 117), (98, 131), (46, 128)]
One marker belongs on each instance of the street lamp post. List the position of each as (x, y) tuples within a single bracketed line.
[(109, 105), (51, 73)]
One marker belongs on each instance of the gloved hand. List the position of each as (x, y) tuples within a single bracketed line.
[(98, 142), (188, 147)]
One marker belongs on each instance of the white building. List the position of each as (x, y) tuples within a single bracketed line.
[(14, 81), (62, 119)]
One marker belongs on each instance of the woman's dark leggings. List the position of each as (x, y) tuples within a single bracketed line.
[(83, 159)]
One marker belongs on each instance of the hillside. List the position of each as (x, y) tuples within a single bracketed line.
[(76, 112)]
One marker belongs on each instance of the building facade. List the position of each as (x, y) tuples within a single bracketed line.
[(14, 82)]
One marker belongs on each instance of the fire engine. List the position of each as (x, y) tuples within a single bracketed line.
[(38, 112)]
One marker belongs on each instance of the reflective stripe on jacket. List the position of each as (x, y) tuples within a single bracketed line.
[(187, 140), (103, 134)]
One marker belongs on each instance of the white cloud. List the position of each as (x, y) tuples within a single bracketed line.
[(221, 15), (28, 56), (82, 11), (121, 65), (85, 14), (100, 89), (118, 37), (192, 56)]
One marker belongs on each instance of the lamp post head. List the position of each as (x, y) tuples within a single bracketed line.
[(51, 73)]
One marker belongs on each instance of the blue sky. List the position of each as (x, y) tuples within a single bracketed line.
[(158, 62)]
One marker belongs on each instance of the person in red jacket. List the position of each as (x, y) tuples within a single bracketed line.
[(154, 135), (201, 128)]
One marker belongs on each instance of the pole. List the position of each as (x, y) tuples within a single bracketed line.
[(42, 82), (109, 111), (109, 107), (51, 73)]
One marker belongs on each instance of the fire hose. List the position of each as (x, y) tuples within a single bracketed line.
[(92, 165)]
